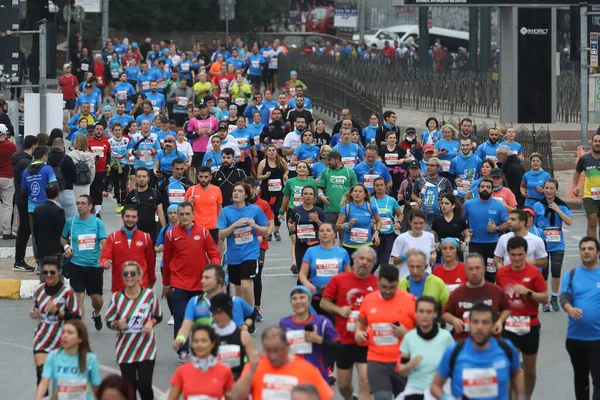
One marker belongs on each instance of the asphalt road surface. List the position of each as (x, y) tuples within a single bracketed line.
[(555, 377)]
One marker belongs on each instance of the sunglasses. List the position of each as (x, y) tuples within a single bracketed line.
[(129, 273), (169, 141), (47, 272)]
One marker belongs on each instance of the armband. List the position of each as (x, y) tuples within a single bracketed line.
[(345, 226), (181, 338), (403, 257), (66, 246)]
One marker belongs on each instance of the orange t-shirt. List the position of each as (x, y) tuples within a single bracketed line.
[(193, 382), (215, 68), (206, 204), (380, 315), (274, 383)]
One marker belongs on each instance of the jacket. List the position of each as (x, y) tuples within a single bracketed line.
[(118, 250), (58, 158), (513, 173), (4, 119), (265, 113), (185, 257), (48, 222), (88, 158), (434, 287), (20, 161)]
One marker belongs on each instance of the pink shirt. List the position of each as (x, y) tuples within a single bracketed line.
[(199, 145)]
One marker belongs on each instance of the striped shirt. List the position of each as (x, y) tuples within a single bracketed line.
[(49, 326), (133, 345)]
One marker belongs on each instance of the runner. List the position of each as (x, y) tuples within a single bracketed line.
[(190, 379), (464, 168), (389, 125), (446, 149), (421, 350), (318, 168), (551, 212), (147, 200), (488, 148), (227, 176), (119, 164), (432, 134), (293, 140), (129, 244), (486, 168), (525, 287), (428, 189), (414, 239), (352, 154), (100, 149), (207, 202), (393, 156), (480, 367), (275, 374), (371, 168), (532, 184), (72, 367), (476, 289), (451, 224), (486, 217), (240, 223), (87, 237), (245, 141), (391, 220), (188, 249), (509, 140), (133, 312), (163, 166), (307, 151), (275, 131), (273, 172), (420, 283), (54, 302), (160, 247), (144, 146), (388, 314), (212, 158), (451, 271), (173, 188)]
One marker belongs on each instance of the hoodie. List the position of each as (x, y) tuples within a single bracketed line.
[(20, 161), (58, 159), (35, 179)]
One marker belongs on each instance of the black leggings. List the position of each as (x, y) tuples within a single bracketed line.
[(585, 359), (258, 278), (555, 259), (139, 376), (274, 201), (120, 183), (97, 187)]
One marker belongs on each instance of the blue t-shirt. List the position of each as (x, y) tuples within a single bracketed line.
[(368, 135), (162, 74), (479, 213), (254, 63), (198, 310), (430, 137), (553, 233), (132, 73), (118, 150), (318, 169), (325, 264), (85, 236), (143, 117), (144, 79), (165, 159), (465, 168), (307, 103), (244, 138), (158, 101), (306, 151), (487, 150), (185, 68), (147, 143), (175, 191), (452, 146), (255, 130), (585, 292), (515, 147), (215, 160), (160, 239), (366, 173), (490, 368), (34, 182), (242, 244), (387, 209), (92, 99), (122, 119), (351, 153), (361, 233), (124, 91), (63, 370), (238, 63), (532, 179)]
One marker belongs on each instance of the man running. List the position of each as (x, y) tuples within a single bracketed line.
[(172, 189), (590, 164), (100, 148), (371, 168), (207, 201), (144, 146), (227, 176), (536, 248), (87, 237), (147, 201)]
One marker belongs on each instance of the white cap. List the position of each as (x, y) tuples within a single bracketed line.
[(294, 46), (3, 130), (67, 65)]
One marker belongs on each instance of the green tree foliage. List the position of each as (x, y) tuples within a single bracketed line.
[(186, 15)]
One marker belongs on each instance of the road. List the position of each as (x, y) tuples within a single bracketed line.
[(16, 330)]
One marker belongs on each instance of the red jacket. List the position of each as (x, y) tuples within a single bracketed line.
[(100, 149), (119, 251), (185, 257), (99, 73)]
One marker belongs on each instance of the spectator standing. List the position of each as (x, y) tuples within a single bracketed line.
[(48, 223), (7, 187), (64, 169)]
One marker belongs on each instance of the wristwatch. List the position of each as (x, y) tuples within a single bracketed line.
[(529, 293)]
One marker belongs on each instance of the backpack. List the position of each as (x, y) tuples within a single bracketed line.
[(60, 178), (431, 198), (459, 346), (83, 175)]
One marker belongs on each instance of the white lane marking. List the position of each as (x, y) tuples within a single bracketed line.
[(276, 275), (159, 393)]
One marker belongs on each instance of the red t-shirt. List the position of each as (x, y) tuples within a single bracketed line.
[(213, 383), (68, 85), (7, 149), (99, 149), (388, 51), (463, 298), (453, 278), (346, 289), (521, 306), (264, 206)]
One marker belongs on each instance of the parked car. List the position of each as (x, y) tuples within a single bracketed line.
[(377, 37), (320, 20), (451, 39)]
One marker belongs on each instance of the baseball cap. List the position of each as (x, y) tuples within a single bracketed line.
[(334, 154), (496, 172), (530, 211), (411, 131), (107, 108), (3, 129), (67, 65), (222, 128), (202, 105), (414, 164), (88, 85), (428, 147)]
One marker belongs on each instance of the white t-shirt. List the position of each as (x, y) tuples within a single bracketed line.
[(404, 242), (230, 144), (535, 247), (292, 140), (185, 148)]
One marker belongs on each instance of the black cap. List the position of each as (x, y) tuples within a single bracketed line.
[(496, 172), (411, 130), (162, 62), (414, 164), (222, 128), (202, 105), (88, 85), (222, 302)]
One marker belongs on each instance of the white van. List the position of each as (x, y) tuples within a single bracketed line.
[(451, 39)]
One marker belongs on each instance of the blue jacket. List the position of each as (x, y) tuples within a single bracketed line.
[(265, 113), (73, 123)]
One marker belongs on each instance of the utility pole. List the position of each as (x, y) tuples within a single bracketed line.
[(104, 21), (362, 10), (583, 13), (43, 73), (226, 23)]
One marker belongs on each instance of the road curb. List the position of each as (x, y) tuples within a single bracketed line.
[(15, 289)]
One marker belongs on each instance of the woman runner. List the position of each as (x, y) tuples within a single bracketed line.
[(451, 223), (273, 173), (391, 220)]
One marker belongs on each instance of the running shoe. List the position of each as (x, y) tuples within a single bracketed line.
[(331, 377), (554, 303), (258, 314), (546, 308), (9, 236), (119, 209), (97, 320), (22, 266), (252, 328), (183, 357), (294, 269), (171, 321), (269, 237), (277, 236)]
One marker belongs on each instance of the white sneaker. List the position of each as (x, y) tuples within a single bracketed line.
[(171, 321)]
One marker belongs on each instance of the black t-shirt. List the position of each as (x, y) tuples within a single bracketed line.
[(146, 203), (454, 228), (302, 223), (322, 139), (388, 156), (294, 114)]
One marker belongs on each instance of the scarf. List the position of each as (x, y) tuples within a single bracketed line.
[(548, 211), (227, 330), (388, 125), (203, 364), (429, 335), (466, 156)]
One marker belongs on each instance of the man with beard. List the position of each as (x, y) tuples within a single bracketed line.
[(487, 150), (291, 141), (300, 112), (276, 131), (147, 200), (146, 114), (481, 366), (207, 202), (157, 99), (466, 126), (465, 168), (227, 175), (121, 117), (486, 217), (590, 163), (100, 148)]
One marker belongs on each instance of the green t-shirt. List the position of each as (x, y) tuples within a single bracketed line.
[(432, 352), (434, 287), (293, 190), (335, 183)]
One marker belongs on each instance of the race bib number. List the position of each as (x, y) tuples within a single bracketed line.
[(182, 101), (327, 267), (369, 179), (122, 95), (98, 151), (231, 128), (99, 80), (595, 193), (297, 196), (146, 85), (242, 235), (85, 67), (156, 110), (391, 159), (292, 91), (240, 102), (255, 64), (386, 224), (348, 161), (552, 234), (489, 266), (145, 155), (359, 235), (480, 382), (135, 323), (230, 354), (297, 343), (86, 242), (185, 67), (518, 325), (383, 335), (176, 196), (115, 75), (273, 63), (463, 186), (275, 185), (351, 321), (445, 165), (277, 142), (278, 387), (242, 142), (71, 389), (306, 232)]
